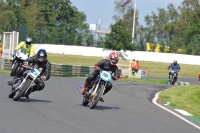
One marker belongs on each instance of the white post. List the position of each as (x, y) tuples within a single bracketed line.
[(129, 71), (9, 51), (134, 20)]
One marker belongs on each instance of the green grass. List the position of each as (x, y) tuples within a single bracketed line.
[(183, 97), (149, 81), (4, 72), (73, 59), (152, 68)]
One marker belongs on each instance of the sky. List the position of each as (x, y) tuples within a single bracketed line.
[(104, 9)]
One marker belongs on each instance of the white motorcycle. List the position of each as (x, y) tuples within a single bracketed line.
[(18, 58)]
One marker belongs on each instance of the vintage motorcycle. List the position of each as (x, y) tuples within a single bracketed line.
[(172, 77), (20, 87), (18, 59), (95, 90)]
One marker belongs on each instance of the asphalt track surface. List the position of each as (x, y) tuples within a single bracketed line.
[(128, 108)]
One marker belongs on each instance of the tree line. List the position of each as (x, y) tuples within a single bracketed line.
[(59, 22), (46, 21), (176, 28)]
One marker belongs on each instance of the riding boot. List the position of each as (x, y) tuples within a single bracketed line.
[(82, 90)]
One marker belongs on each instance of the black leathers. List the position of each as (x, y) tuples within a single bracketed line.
[(106, 66)]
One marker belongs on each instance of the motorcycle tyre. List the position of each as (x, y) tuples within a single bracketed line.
[(14, 69), (95, 99), (21, 92), (11, 94)]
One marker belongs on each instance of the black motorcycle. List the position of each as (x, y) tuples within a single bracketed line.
[(172, 78)]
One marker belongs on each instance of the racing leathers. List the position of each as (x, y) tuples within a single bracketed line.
[(106, 66)]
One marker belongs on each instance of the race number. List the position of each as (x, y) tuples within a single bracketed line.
[(106, 76), (35, 73)]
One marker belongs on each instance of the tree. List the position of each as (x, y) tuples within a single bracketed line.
[(7, 17), (119, 38)]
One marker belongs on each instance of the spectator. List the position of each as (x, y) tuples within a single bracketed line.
[(135, 67)]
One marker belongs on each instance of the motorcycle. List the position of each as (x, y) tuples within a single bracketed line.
[(18, 58), (95, 89), (172, 77), (24, 84)]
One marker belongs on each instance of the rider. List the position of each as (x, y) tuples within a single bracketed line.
[(176, 68), (25, 46), (106, 65), (38, 61)]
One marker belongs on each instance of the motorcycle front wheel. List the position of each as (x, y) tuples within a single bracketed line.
[(85, 101), (97, 96), (20, 93), (14, 69)]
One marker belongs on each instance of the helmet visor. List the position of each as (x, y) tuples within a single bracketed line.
[(28, 43), (114, 60), (41, 58)]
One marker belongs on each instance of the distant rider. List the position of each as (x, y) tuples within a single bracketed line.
[(176, 68), (106, 65)]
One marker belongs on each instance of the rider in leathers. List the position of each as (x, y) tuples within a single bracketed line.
[(176, 68), (38, 61), (106, 65)]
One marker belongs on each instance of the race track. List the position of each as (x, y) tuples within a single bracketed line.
[(128, 108)]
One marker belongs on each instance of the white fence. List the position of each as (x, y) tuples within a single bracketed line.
[(138, 55)]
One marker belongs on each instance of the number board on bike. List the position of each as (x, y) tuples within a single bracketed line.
[(106, 76), (35, 73)]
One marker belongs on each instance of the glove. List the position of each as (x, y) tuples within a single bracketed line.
[(96, 68), (120, 75), (114, 78)]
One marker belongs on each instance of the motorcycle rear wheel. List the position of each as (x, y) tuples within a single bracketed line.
[(11, 94), (85, 101)]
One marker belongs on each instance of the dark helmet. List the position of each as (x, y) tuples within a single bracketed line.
[(28, 41), (175, 62), (41, 55)]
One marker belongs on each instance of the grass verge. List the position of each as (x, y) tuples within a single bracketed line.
[(4, 72), (183, 97), (152, 68)]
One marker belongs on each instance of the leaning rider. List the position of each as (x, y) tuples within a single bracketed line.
[(106, 65)]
